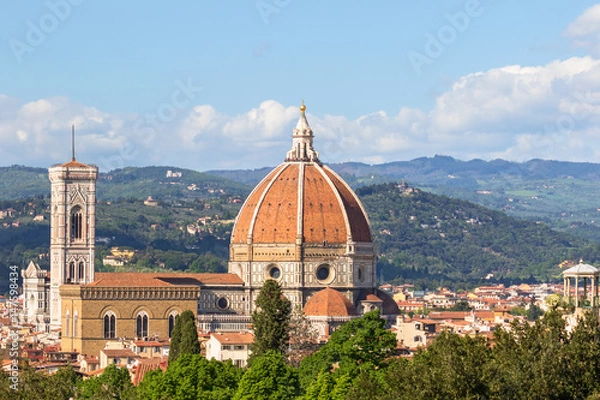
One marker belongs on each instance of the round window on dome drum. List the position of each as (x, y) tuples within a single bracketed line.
[(323, 272), (223, 303)]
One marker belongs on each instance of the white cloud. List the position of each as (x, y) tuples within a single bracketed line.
[(513, 112), (585, 30)]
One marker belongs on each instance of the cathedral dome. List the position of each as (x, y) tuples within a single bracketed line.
[(330, 303), (302, 202)]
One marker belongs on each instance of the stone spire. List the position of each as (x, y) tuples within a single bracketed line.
[(302, 141)]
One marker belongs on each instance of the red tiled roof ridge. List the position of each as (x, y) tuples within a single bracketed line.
[(234, 337), (158, 279)]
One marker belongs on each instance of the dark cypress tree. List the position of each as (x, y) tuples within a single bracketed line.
[(184, 338), (271, 320)]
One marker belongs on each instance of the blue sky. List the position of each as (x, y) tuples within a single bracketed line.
[(210, 84)]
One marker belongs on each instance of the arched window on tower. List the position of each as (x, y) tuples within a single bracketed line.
[(142, 325), (110, 325), (172, 317), (67, 323), (76, 223), (81, 271), (71, 272)]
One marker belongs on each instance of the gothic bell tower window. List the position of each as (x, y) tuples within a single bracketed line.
[(76, 224), (81, 271)]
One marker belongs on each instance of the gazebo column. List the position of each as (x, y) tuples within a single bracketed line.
[(576, 291), (592, 280), (585, 294)]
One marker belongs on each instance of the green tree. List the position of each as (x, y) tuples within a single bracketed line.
[(38, 385), (271, 320), (192, 377), (583, 354), (461, 306), (533, 312), (114, 383), (452, 367), (528, 361), (269, 378), (361, 341), (151, 387), (184, 338)]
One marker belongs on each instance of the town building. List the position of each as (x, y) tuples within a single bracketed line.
[(233, 346)]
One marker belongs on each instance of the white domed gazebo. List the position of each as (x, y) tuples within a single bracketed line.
[(589, 274)]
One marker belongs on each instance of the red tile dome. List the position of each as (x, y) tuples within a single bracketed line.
[(301, 200), (329, 302)]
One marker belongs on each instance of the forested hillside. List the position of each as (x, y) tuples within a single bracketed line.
[(428, 238)]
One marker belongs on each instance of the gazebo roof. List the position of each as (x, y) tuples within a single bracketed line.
[(582, 269)]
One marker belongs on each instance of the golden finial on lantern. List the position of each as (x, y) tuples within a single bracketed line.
[(302, 107)]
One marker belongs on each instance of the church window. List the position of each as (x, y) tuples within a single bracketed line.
[(71, 275), (274, 271), (76, 223), (81, 271), (323, 272), (67, 323), (172, 317), (360, 274), (110, 325), (222, 303), (142, 325)]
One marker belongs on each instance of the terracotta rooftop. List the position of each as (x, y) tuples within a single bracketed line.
[(145, 365), (233, 337), (330, 303), (448, 315), (150, 343), (117, 353), (149, 279), (425, 321), (372, 298), (75, 164)]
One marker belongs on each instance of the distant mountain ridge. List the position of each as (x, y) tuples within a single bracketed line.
[(18, 182), (427, 170)]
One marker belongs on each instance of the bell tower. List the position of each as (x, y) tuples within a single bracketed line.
[(72, 228)]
